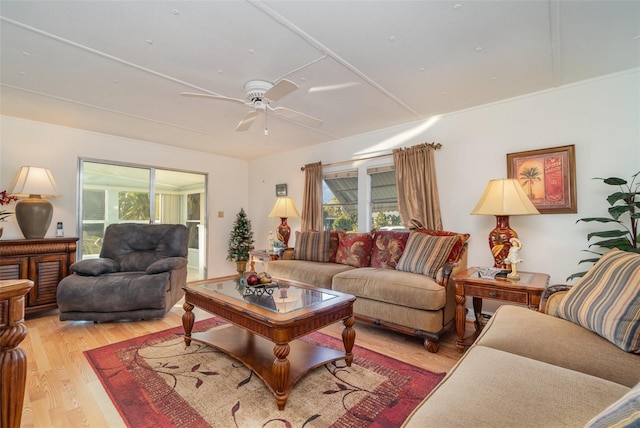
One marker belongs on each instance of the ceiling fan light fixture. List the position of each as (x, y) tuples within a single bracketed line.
[(255, 90), (258, 95)]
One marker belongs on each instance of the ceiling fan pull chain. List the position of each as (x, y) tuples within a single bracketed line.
[(266, 129)]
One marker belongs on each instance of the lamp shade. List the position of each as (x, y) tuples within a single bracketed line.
[(32, 180), (504, 197), (284, 208)]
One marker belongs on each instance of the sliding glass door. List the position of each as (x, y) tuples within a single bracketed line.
[(121, 193)]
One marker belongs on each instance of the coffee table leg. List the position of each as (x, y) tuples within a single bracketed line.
[(187, 322), (348, 339), (280, 369)]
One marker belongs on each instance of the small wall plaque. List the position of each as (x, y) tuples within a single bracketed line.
[(281, 189)]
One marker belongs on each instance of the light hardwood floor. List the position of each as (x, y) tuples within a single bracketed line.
[(63, 391)]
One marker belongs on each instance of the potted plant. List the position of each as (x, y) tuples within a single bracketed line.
[(240, 241), (624, 212)]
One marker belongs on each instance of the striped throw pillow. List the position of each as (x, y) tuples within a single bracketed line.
[(425, 254), (312, 246), (606, 300), (623, 413)]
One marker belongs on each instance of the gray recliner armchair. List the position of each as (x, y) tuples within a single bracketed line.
[(139, 275)]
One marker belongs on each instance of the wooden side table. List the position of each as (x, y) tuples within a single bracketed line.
[(13, 360), (526, 291), (262, 256)]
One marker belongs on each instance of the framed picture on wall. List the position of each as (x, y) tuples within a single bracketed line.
[(281, 189), (548, 177)]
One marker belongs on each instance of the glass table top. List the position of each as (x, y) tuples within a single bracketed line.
[(276, 297)]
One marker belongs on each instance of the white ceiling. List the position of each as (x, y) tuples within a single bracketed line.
[(118, 67)]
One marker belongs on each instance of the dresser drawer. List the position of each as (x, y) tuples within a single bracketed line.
[(493, 293)]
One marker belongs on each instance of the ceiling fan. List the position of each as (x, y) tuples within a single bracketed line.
[(258, 95)]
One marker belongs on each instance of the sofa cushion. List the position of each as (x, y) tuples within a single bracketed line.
[(354, 249), (493, 388), (425, 254), (556, 341), (388, 246), (623, 413), (456, 251), (312, 246), (388, 314), (606, 300), (390, 286), (135, 246), (113, 292), (312, 273)]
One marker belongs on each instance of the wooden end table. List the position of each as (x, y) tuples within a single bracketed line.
[(266, 323), (13, 360), (526, 291), (261, 256)]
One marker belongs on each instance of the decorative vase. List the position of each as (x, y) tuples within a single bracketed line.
[(241, 266)]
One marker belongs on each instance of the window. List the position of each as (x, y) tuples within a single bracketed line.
[(120, 193), (133, 206), (340, 201), (93, 214), (193, 219), (363, 193), (384, 199)]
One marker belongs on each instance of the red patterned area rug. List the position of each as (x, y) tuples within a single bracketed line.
[(155, 381)]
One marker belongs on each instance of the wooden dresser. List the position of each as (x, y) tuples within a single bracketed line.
[(44, 261)]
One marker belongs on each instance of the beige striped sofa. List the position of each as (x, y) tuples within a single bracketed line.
[(420, 304), (576, 364)]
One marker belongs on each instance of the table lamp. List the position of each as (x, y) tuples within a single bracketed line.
[(503, 198), (34, 213), (283, 209)]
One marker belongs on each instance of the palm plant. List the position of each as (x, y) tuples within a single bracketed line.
[(624, 212)]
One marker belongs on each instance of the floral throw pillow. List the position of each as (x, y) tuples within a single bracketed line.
[(354, 249), (334, 242), (456, 251), (388, 246)]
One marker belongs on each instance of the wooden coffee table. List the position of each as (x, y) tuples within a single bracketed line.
[(266, 321)]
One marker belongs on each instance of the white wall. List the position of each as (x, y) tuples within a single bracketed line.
[(601, 117), (58, 148)]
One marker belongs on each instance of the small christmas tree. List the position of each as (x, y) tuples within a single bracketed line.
[(240, 239)]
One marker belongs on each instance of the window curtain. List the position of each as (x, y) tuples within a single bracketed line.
[(312, 200), (418, 200)]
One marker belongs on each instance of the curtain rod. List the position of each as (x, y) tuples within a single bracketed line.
[(435, 146)]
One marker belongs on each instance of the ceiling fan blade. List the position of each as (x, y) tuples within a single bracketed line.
[(297, 116), (246, 121), (282, 88), (214, 97)]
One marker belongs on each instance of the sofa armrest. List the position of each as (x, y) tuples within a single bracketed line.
[(551, 296), (95, 267), (445, 273), (287, 254), (166, 265)]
